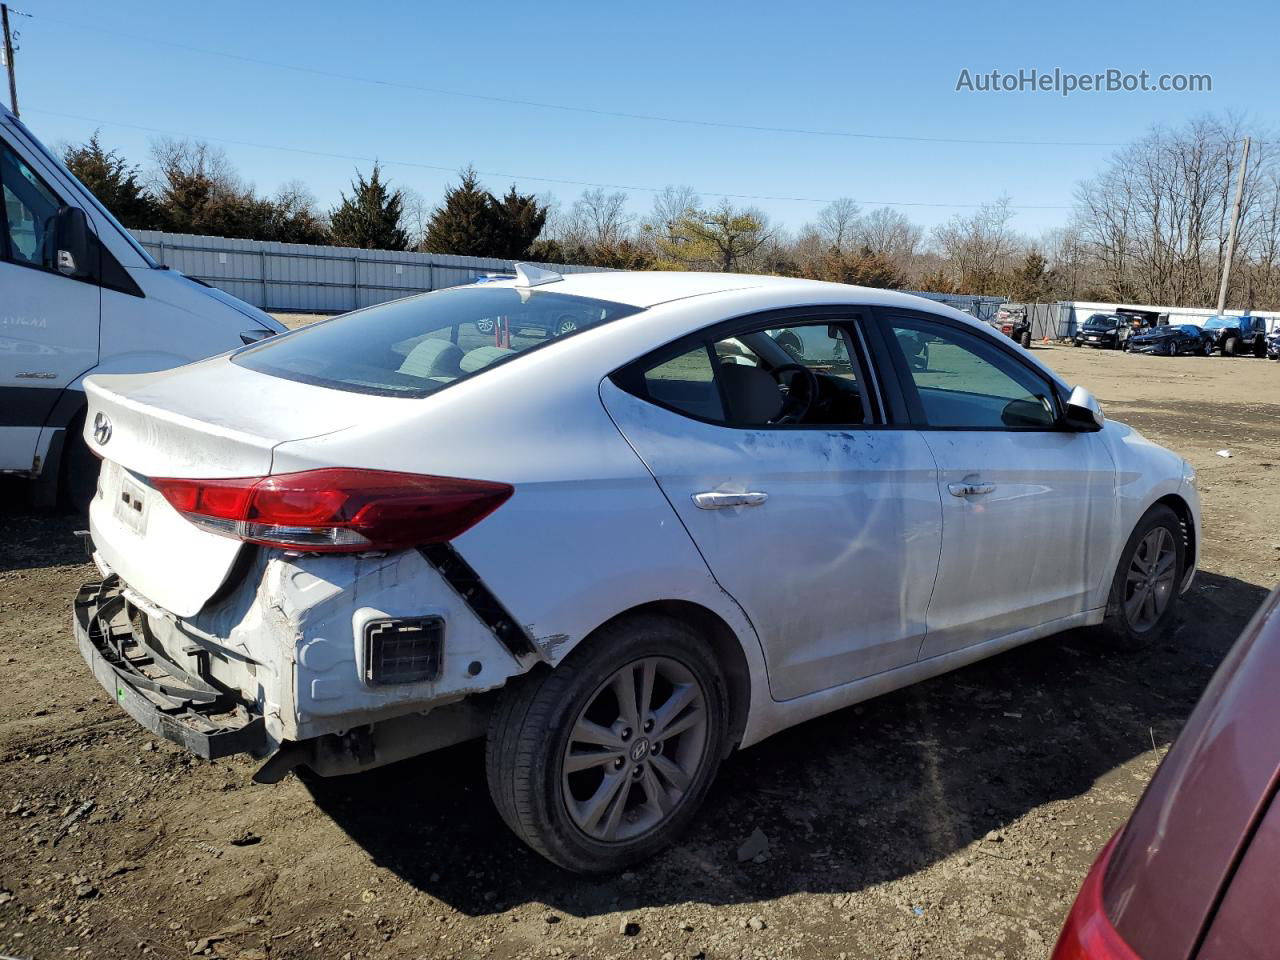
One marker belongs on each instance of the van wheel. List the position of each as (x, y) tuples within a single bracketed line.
[(604, 759), (1229, 346), (1144, 591), (79, 480)]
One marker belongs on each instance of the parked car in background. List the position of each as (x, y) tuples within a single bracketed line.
[(382, 534), (1103, 330), (1273, 344), (1238, 335), (522, 321), (1194, 871), (1172, 340), (79, 295)]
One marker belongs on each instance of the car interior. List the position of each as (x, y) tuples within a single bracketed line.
[(797, 375)]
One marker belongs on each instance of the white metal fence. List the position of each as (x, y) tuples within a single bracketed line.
[(305, 278), (300, 277)]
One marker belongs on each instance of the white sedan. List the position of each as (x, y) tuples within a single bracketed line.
[(716, 506)]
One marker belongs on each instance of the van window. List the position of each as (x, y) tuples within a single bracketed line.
[(28, 210), (419, 345)]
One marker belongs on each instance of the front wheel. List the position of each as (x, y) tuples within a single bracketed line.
[(1144, 590), (1229, 346), (604, 759)]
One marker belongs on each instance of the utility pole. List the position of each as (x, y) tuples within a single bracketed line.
[(1231, 233), (8, 58)]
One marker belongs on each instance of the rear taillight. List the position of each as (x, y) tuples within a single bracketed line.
[(1007, 329), (1088, 933), (336, 510)]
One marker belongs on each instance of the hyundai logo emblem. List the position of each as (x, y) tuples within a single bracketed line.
[(101, 428)]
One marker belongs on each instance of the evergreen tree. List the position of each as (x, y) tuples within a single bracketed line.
[(113, 181), (518, 219), (464, 223), (371, 217)]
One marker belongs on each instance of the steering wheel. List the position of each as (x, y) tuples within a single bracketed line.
[(796, 408)]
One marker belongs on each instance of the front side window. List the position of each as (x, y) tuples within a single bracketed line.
[(417, 346), (803, 374), (28, 210), (964, 382)]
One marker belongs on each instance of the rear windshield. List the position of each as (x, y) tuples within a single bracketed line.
[(416, 346), (1101, 320)]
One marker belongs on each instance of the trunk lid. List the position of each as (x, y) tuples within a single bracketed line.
[(211, 419)]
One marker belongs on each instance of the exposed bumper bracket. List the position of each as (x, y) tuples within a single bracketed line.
[(166, 699)]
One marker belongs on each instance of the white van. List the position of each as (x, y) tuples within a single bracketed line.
[(78, 295)]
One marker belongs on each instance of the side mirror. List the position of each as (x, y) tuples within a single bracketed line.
[(72, 244), (1083, 411)]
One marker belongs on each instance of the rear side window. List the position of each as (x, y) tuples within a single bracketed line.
[(686, 383), (417, 346)]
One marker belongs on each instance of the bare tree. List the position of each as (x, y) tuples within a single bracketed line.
[(1156, 218), (979, 246), (838, 224), (889, 233)]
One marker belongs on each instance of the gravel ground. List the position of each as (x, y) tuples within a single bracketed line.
[(952, 819)]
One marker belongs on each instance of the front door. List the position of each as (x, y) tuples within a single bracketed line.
[(48, 322), (823, 524), (1028, 507)]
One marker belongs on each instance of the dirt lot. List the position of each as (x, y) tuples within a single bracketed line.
[(954, 819)]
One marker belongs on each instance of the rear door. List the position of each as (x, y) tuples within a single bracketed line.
[(48, 322), (1028, 508), (825, 529)]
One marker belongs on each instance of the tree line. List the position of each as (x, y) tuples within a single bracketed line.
[(1150, 227)]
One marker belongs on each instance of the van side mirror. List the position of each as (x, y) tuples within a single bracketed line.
[(72, 244), (1083, 411)]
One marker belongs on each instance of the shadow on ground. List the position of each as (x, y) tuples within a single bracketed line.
[(860, 797)]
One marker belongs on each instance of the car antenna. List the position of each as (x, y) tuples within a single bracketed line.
[(527, 275)]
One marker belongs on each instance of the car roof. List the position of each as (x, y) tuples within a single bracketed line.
[(649, 288)]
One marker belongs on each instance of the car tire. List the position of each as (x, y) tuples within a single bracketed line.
[(1157, 535), (1229, 346), (572, 817), (486, 324), (566, 325), (1026, 339), (1075, 343), (79, 479), (1259, 349)]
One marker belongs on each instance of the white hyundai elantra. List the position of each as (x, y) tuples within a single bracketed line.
[(617, 524)]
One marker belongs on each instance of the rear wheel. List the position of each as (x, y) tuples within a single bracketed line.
[(1144, 591), (1229, 346), (79, 481), (1259, 348), (1026, 339), (565, 325), (604, 760)]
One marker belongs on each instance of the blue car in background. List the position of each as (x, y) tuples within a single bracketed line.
[(1169, 341)]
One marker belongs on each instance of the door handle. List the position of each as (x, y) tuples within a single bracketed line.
[(970, 489), (718, 499)]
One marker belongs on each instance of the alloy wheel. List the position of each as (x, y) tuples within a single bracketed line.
[(1149, 581), (635, 749)]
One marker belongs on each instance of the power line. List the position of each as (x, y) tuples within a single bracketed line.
[(514, 176), (576, 108)]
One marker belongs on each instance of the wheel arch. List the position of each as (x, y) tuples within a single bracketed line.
[(1186, 519), (724, 643)]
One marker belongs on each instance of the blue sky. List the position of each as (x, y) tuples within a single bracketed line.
[(875, 68)]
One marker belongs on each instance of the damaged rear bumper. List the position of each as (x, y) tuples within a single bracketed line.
[(167, 699)]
